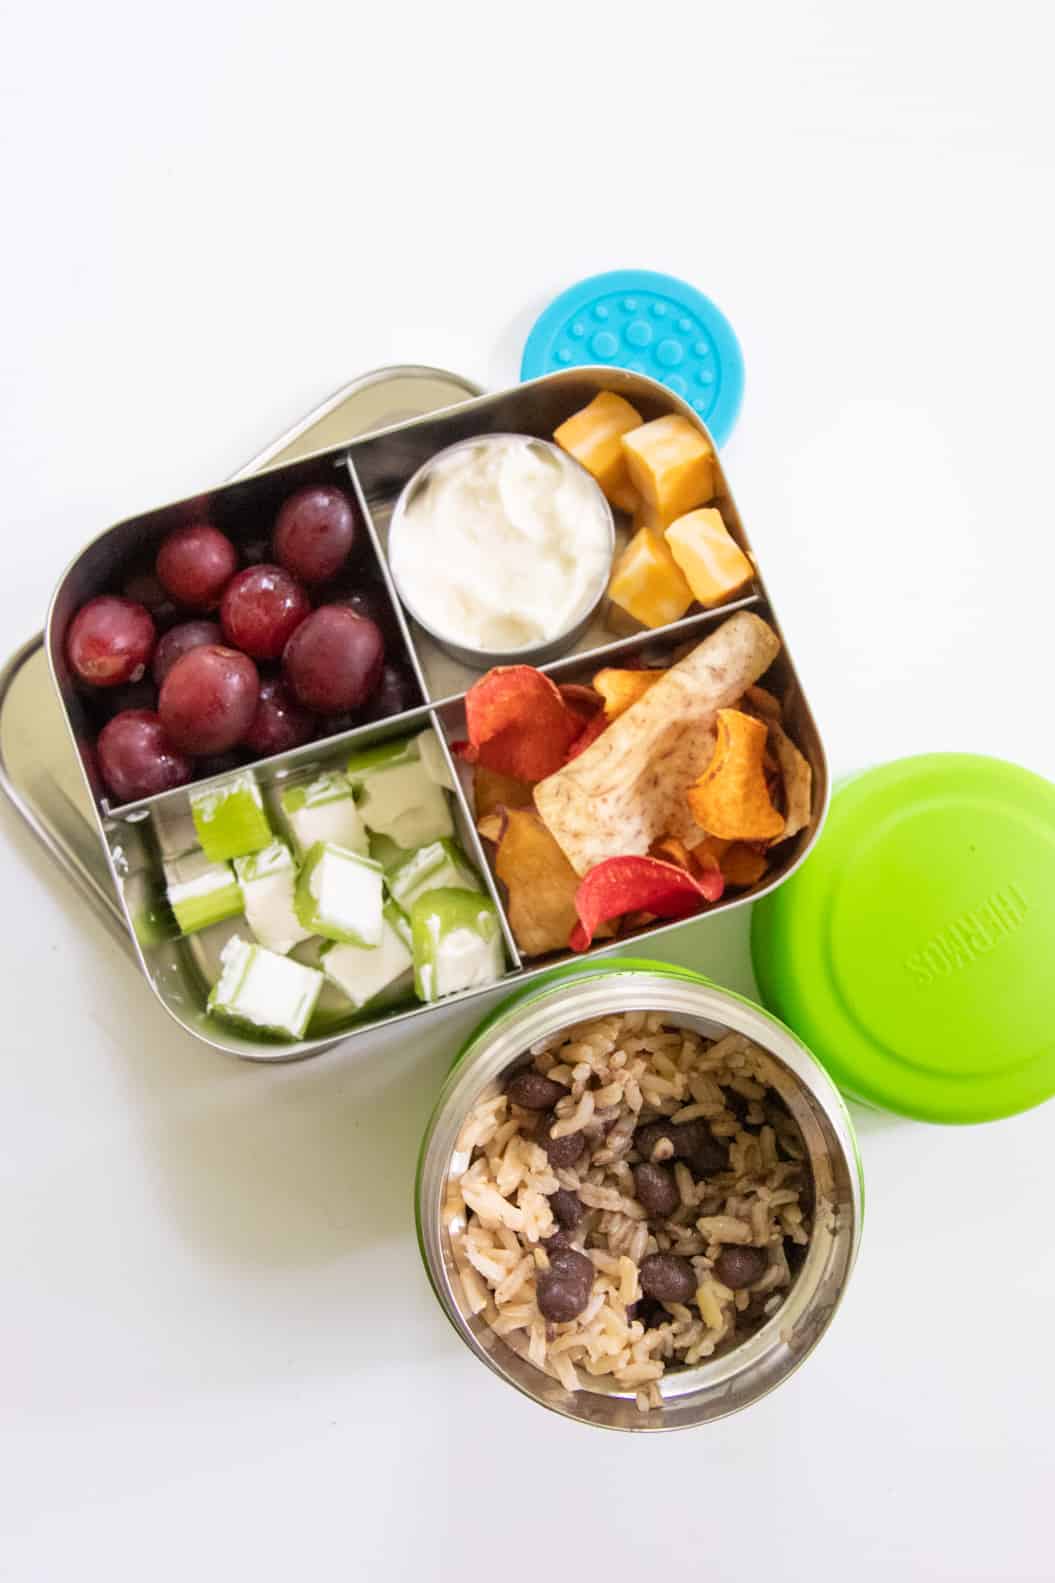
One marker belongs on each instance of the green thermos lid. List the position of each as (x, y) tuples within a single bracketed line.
[(914, 950)]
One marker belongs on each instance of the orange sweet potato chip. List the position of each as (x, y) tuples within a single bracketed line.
[(622, 885), (519, 724), (702, 862), (491, 791), (743, 865), (731, 798), (620, 689), (540, 882)]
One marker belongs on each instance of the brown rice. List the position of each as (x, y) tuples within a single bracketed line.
[(620, 1071)]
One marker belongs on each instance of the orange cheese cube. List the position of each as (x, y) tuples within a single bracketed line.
[(671, 464), (593, 437), (647, 583), (715, 566), (647, 516)]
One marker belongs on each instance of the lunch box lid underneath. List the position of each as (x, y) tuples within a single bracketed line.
[(914, 950)]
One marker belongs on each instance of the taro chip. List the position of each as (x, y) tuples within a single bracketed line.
[(797, 778), (731, 799), (540, 883), (621, 885), (518, 723), (620, 689), (743, 865), (491, 791)]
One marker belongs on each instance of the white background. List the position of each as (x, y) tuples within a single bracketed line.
[(219, 1355)]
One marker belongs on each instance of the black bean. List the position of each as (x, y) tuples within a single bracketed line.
[(562, 1152), (656, 1189), (563, 1290), (566, 1206), (668, 1277), (561, 1238), (532, 1091), (693, 1142), (653, 1132), (738, 1267), (652, 1314), (706, 1155)]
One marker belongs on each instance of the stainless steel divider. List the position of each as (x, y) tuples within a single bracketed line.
[(477, 853)]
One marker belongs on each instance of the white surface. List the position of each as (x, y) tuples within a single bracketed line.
[(220, 1354)]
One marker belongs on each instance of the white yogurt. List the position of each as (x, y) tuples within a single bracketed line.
[(506, 544)]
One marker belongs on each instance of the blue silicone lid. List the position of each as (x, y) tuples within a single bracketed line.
[(650, 324)]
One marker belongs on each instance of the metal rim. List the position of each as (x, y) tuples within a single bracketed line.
[(530, 653), (747, 1372)]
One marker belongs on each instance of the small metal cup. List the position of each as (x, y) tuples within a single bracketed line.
[(483, 659), (723, 1384)]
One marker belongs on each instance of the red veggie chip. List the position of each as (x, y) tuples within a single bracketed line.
[(582, 701), (636, 884), (518, 723), (589, 734)]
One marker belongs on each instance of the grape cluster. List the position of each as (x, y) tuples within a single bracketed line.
[(219, 654)]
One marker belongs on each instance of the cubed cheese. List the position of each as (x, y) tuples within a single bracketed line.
[(671, 464), (323, 810), (230, 818), (361, 974), (263, 990), (715, 566), (340, 895), (655, 521), (200, 892), (457, 943), (397, 796), (439, 866), (434, 759), (593, 436), (647, 582), (268, 879)]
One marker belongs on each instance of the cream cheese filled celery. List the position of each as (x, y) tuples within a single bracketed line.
[(268, 879), (504, 545)]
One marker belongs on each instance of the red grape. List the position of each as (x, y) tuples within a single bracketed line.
[(179, 641), (144, 588), (110, 641), (262, 608), (315, 531), (256, 552), (208, 699), (280, 723), (137, 759), (334, 659), (395, 692), (134, 695), (370, 600), (195, 563)]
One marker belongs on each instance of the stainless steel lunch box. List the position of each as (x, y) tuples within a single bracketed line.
[(723, 1384), (378, 465)]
